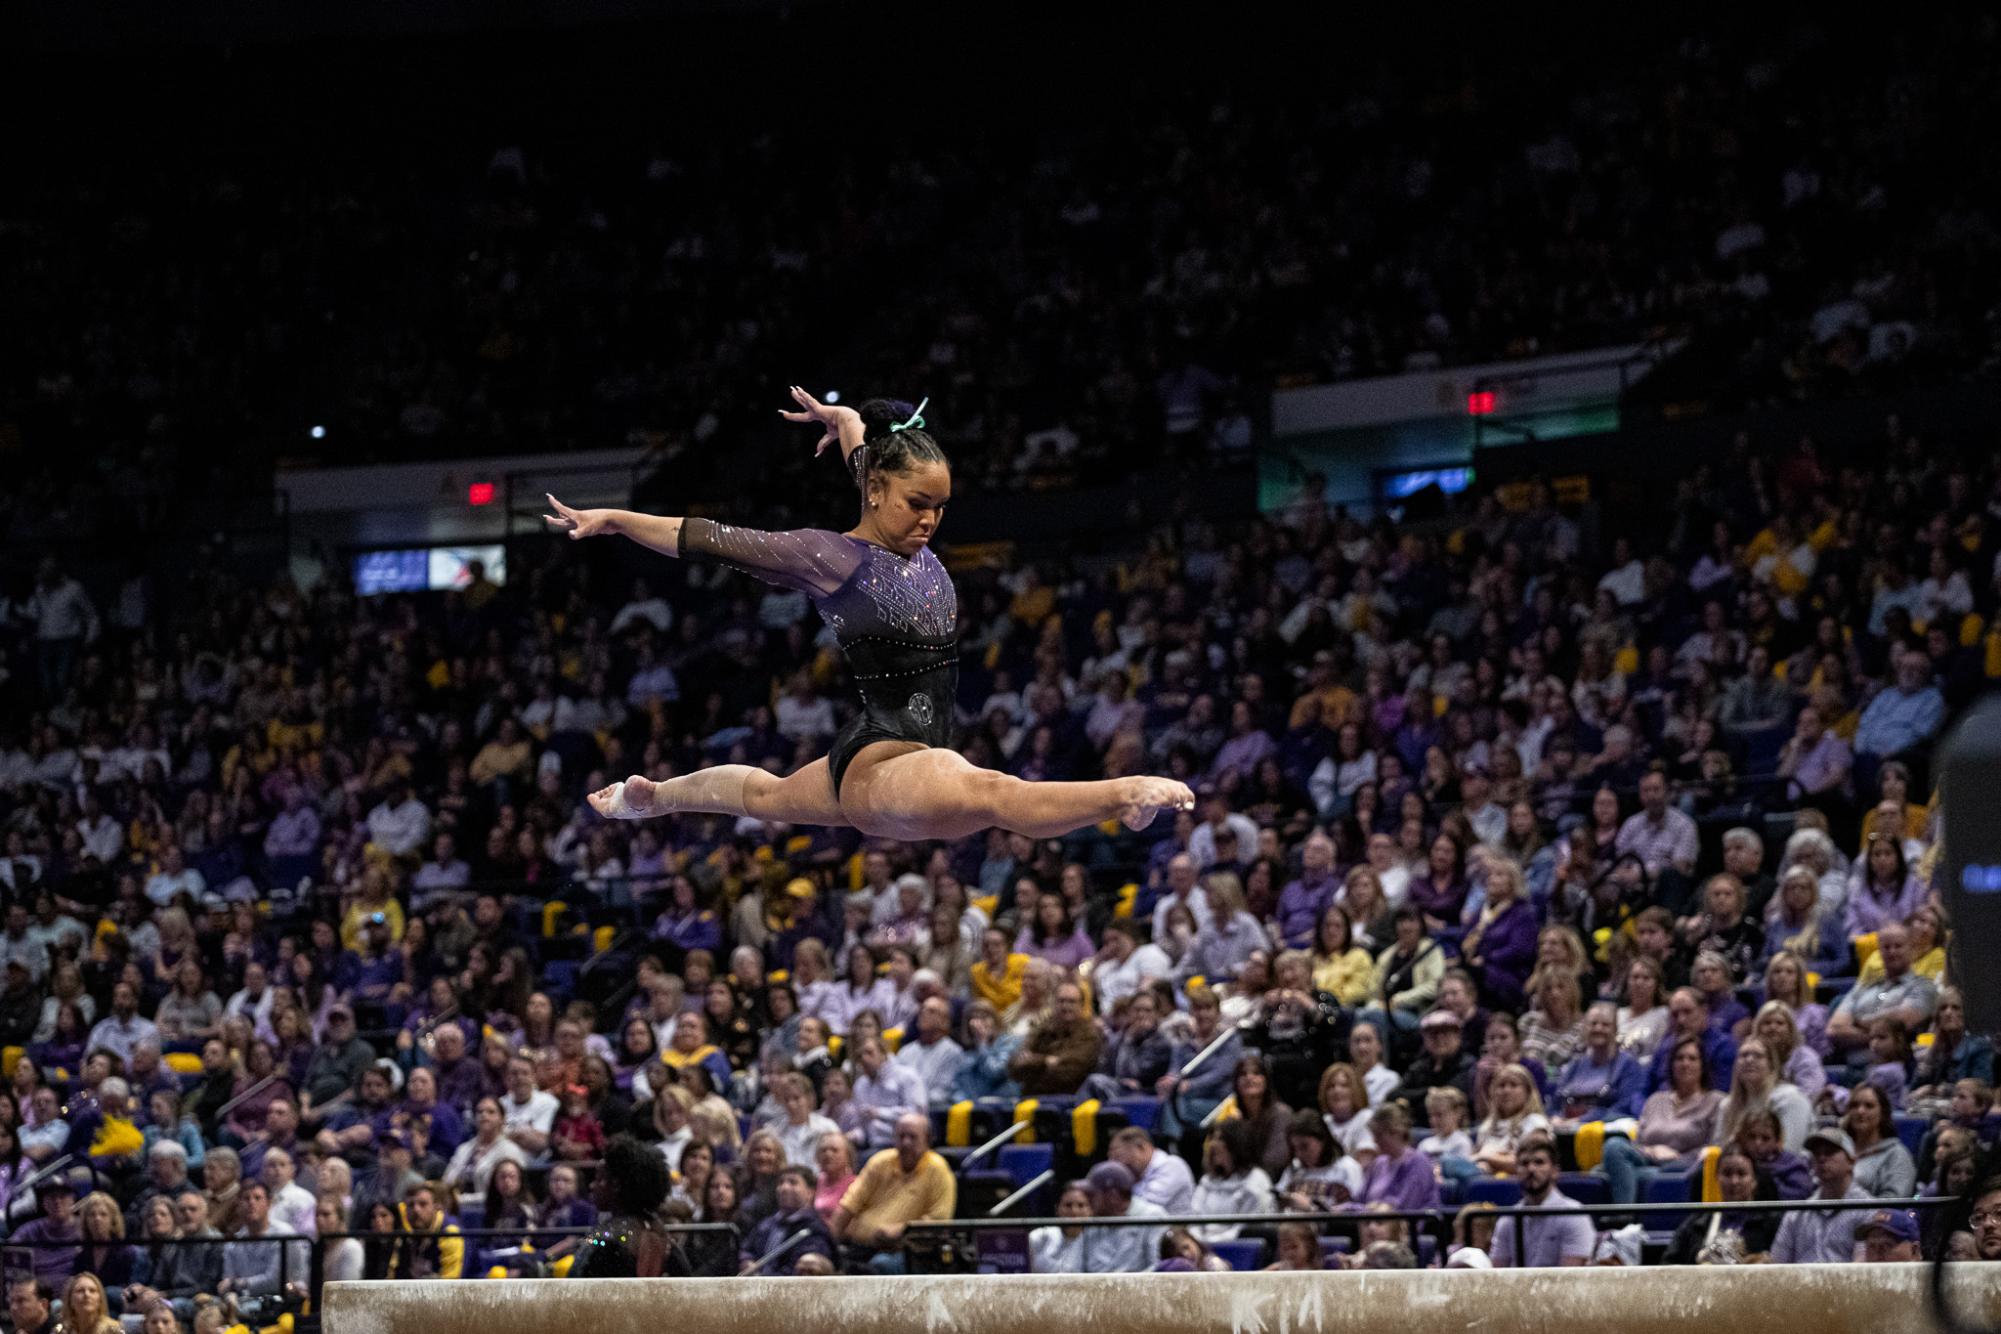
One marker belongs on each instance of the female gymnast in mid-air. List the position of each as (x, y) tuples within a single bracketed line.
[(891, 772)]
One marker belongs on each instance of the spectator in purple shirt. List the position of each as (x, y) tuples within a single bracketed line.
[(1440, 893), (1248, 745), (1601, 1083), (1399, 1175), (685, 922), (1882, 889), (1053, 936), (1501, 946), (1302, 903)]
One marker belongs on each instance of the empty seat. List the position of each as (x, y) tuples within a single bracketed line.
[(1245, 1254), (1025, 1162), (1585, 1187), (1492, 1190)]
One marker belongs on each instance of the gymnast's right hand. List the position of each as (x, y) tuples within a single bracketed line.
[(577, 523)]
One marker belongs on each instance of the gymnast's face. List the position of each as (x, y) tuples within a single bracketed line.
[(906, 508)]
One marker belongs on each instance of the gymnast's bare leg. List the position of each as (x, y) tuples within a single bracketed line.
[(806, 797), (900, 790)]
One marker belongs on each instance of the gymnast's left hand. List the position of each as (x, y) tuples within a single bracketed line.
[(830, 418), (577, 523)]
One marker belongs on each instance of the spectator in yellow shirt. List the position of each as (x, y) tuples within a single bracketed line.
[(900, 1186)]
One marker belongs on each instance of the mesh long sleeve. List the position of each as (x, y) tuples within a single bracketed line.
[(809, 560)]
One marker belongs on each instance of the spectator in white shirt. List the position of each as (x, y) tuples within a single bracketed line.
[(64, 622), (20, 945), (445, 872), (1161, 1179), (1217, 816), (103, 837), (527, 1112), (643, 606), (400, 824), (932, 1053), (1124, 965), (174, 878), (803, 714), (1184, 889), (291, 1203)]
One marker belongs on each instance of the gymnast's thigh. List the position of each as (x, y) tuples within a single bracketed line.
[(908, 790)]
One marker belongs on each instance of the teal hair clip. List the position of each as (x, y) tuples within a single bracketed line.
[(916, 419)]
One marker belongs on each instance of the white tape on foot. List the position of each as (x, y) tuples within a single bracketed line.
[(621, 809)]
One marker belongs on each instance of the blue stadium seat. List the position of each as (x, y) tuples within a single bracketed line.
[(1492, 1190), (1668, 1188), (1025, 1162), (1245, 1255), (1911, 1130), (1585, 1187), (1141, 1112)]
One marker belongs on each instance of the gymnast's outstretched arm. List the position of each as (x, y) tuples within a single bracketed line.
[(810, 560)]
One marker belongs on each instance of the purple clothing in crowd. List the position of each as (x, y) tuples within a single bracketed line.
[(1300, 906), (1404, 1182)]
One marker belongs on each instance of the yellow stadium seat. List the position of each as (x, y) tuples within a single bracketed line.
[(959, 1124), (1128, 897), (892, 1038), (1084, 1126), (552, 910), (1025, 1111), (1589, 1146), (182, 1062), (1712, 1191)]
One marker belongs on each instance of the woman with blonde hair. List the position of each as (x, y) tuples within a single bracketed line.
[(1797, 1063), (1756, 1086), (1643, 1019), (1798, 920), (1554, 1030), (85, 1310), (104, 1251), (1344, 1106), (1786, 982), (1514, 1112), (1368, 906)]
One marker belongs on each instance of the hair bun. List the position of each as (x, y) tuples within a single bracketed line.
[(879, 414)]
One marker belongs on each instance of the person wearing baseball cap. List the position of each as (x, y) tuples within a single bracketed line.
[(1825, 1236), (1888, 1236), (1444, 1059), (54, 1263), (1119, 1250)]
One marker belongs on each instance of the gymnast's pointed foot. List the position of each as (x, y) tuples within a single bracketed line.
[(1149, 795), (629, 800)]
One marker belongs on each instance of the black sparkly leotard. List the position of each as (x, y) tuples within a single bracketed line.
[(897, 621)]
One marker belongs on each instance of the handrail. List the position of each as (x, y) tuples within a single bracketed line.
[(248, 1094), (1359, 1214), (60, 1163), (778, 1250), (1028, 1188), (994, 1143)]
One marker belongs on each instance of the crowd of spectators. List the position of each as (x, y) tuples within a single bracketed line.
[(1515, 849), (1538, 838)]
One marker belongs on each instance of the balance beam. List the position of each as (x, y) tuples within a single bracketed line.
[(1820, 1299)]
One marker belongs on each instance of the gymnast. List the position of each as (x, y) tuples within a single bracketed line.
[(891, 772)]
